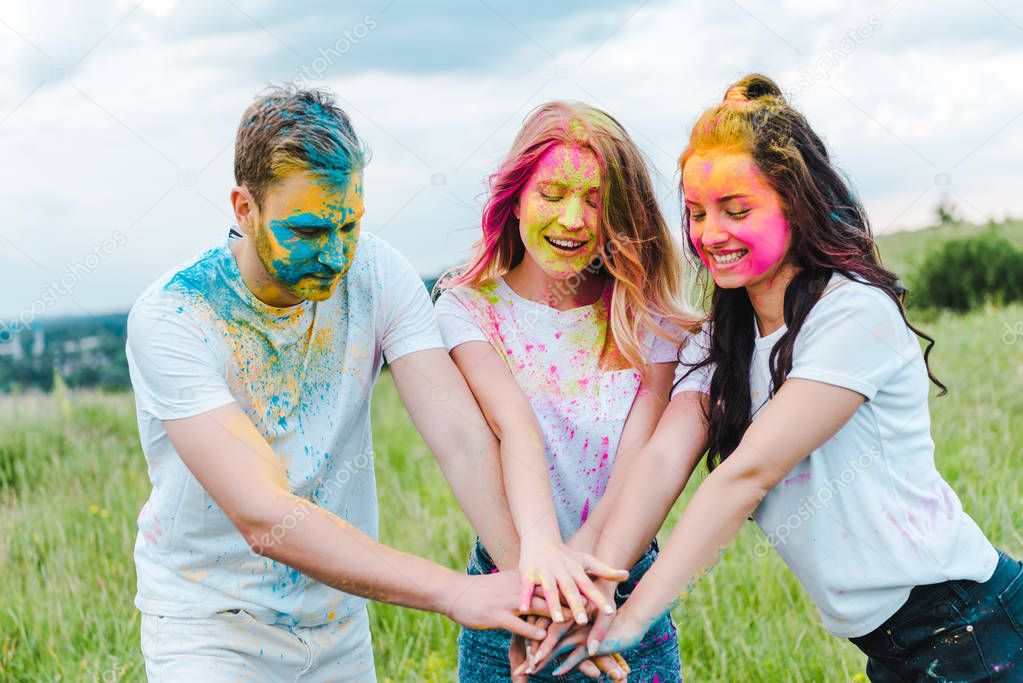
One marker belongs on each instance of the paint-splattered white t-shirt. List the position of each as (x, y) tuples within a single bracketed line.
[(580, 387), (198, 339), (866, 516)]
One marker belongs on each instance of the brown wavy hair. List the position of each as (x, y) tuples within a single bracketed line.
[(830, 234)]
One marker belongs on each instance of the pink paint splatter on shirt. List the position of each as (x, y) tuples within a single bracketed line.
[(586, 512), (798, 479)]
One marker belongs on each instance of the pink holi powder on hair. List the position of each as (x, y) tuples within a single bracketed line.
[(798, 479)]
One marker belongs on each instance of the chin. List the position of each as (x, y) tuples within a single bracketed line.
[(730, 281)]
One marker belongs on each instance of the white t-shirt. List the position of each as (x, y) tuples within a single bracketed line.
[(865, 517), (198, 339), (580, 390)]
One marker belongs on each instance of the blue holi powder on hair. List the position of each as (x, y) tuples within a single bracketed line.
[(335, 153), (834, 216)]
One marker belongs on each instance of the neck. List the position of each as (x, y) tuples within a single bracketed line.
[(530, 281), (768, 299), (256, 278)]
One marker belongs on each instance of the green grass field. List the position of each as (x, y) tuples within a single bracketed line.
[(72, 480)]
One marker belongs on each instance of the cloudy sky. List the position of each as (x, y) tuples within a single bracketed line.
[(117, 118)]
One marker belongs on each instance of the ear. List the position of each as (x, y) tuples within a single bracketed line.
[(245, 210)]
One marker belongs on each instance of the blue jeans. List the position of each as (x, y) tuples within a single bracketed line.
[(483, 655), (953, 631)]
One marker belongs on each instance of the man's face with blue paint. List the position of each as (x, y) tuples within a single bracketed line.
[(307, 232)]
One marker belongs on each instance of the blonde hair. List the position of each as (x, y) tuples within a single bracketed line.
[(636, 249)]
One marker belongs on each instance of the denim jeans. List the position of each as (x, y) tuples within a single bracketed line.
[(483, 655), (953, 631)]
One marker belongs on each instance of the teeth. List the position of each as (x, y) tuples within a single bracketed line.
[(564, 244), (729, 258)]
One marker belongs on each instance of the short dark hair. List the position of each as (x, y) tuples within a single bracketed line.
[(288, 129)]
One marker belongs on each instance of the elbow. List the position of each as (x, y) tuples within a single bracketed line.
[(265, 527), (747, 487)]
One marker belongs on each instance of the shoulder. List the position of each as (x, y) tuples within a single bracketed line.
[(852, 318), (181, 289), (851, 297)]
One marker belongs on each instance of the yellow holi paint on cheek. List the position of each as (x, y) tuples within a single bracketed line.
[(561, 203), (309, 239)]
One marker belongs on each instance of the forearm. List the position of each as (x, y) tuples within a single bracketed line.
[(646, 497), (304, 536), (524, 463), (475, 476), (711, 521)]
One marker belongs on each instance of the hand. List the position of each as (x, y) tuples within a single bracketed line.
[(555, 567), (520, 651), (489, 601), (566, 637), (616, 634)]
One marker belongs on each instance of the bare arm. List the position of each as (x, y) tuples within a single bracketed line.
[(544, 559), (449, 419), (236, 466), (801, 416)]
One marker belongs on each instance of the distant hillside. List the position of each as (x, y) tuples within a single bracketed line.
[(89, 351), (904, 251)]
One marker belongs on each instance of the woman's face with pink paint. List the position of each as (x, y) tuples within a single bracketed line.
[(559, 211), (736, 220)]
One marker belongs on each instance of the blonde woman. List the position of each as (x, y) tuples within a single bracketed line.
[(566, 325)]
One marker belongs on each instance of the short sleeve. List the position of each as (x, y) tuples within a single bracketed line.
[(855, 338), (175, 371), (696, 349), (661, 350), (407, 316), (456, 323)]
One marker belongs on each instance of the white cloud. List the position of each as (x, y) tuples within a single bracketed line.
[(116, 141)]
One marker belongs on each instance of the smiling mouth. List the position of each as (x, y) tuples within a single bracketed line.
[(728, 258), (566, 244)]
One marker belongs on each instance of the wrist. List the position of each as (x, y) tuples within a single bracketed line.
[(442, 593)]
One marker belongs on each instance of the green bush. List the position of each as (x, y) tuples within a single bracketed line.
[(964, 274)]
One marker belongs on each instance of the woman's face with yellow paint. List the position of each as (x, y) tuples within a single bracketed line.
[(559, 211), (307, 233), (736, 221)]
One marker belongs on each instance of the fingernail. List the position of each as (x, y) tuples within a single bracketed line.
[(559, 617), (580, 618), (609, 609), (592, 646), (540, 633)]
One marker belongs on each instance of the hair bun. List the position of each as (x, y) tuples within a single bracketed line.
[(753, 87)]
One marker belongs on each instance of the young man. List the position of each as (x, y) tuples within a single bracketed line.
[(253, 366)]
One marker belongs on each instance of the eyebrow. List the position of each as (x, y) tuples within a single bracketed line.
[(563, 185)]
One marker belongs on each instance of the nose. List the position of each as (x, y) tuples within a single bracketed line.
[(712, 232), (572, 215), (333, 253)]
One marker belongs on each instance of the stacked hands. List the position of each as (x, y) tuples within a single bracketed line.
[(561, 575)]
